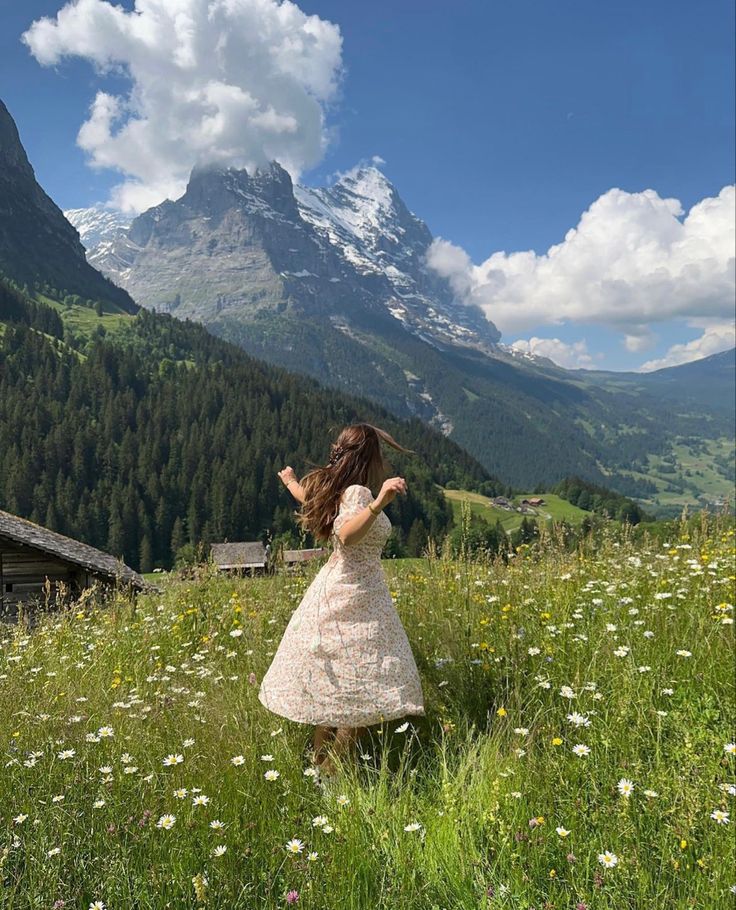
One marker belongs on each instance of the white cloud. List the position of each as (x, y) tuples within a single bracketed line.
[(572, 356), (631, 262), (716, 337), (238, 82)]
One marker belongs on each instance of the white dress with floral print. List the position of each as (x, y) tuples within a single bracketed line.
[(344, 659)]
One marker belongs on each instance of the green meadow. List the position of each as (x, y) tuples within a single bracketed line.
[(577, 749), (554, 509)]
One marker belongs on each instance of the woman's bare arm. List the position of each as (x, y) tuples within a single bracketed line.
[(296, 490)]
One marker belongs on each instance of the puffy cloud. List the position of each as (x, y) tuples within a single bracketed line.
[(716, 337), (572, 356), (237, 82), (630, 262)]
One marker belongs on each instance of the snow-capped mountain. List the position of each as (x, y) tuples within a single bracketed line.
[(97, 225), (353, 244)]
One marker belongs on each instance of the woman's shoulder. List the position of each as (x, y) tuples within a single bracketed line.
[(355, 490)]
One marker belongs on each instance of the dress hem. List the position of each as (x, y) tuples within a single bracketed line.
[(364, 722)]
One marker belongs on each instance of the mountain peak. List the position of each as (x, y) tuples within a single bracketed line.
[(368, 183), (12, 153), (213, 187)]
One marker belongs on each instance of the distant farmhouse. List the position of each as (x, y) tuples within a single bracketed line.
[(533, 501), (502, 502), (247, 557), (34, 561)]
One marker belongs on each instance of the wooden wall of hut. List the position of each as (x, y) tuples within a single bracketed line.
[(23, 577)]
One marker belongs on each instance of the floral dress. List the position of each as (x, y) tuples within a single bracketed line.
[(344, 659)]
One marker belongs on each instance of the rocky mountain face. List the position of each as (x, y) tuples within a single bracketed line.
[(239, 245), (37, 243)]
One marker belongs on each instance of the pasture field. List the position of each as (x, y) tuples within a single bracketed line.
[(555, 508), (577, 751)]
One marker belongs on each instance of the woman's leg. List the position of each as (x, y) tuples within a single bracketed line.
[(322, 738), (343, 745)]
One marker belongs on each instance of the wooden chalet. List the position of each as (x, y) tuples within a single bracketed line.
[(34, 561), (294, 560), (249, 557)]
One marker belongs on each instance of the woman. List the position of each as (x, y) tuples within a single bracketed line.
[(344, 661)]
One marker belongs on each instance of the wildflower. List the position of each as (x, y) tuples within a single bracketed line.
[(579, 720), (67, 753), (313, 856), (581, 749), (267, 758), (97, 905), (166, 822), (403, 728), (625, 787), (105, 731), (54, 851), (219, 850), (292, 897), (319, 820), (295, 845), (272, 774), (683, 653), (181, 793), (200, 882), (342, 800), (720, 816), (563, 832), (608, 859), (217, 825), (238, 760), (200, 800), (730, 748), (412, 826), (173, 760)]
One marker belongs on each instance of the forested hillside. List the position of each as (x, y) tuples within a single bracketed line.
[(156, 435)]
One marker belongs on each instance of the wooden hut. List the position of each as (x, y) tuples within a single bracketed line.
[(294, 560), (34, 561), (239, 558)]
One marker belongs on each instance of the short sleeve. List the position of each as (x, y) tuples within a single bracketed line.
[(354, 499)]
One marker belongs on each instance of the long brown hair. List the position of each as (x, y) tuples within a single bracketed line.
[(355, 457)]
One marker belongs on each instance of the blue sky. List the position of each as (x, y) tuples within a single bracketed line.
[(500, 124)]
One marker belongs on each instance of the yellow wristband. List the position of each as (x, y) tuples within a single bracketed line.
[(371, 510)]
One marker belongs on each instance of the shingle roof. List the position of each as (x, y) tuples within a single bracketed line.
[(238, 555), (22, 531), (303, 555)]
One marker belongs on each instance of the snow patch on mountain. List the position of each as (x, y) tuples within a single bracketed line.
[(97, 225)]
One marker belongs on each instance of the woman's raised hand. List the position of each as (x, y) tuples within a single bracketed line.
[(287, 475), (389, 490)]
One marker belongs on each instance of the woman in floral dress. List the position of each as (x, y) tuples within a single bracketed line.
[(344, 661)]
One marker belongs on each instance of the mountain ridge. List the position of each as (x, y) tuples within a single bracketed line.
[(37, 242)]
